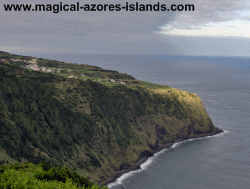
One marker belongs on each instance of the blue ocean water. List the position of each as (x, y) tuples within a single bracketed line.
[(222, 83)]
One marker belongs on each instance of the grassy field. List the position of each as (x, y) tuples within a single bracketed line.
[(90, 72)]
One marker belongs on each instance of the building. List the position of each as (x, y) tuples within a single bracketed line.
[(33, 61), (15, 60), (33, 66)]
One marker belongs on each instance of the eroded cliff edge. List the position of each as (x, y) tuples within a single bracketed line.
[(97, 130)]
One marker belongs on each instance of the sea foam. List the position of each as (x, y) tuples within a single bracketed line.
[(151, 160)]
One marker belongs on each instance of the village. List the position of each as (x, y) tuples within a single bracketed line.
[(33, 65)]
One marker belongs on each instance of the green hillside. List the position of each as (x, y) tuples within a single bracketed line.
[(97, 123)]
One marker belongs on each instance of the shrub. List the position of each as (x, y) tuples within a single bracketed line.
[(27, 175)]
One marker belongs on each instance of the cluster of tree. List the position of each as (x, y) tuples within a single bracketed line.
[(43, 175), (31, 118)]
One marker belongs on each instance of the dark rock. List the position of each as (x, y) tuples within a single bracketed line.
[(124, 166), (146, 153)]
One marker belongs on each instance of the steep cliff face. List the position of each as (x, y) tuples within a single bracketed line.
[(92, 128), (177, 115)]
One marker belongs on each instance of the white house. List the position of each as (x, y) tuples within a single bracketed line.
[(33, 61)]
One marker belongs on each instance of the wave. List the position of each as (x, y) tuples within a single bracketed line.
[(123, 177), (150, 160)]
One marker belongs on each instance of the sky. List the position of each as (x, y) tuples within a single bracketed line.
[(214, 28)]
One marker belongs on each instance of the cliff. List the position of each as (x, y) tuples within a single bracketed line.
[(94, 127)]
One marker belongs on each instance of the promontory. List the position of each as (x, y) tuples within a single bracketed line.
[(97, 122)]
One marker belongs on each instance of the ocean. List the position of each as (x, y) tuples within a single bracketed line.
[(218, 162)]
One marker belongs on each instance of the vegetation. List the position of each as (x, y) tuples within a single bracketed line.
[(96, 127), (28, 175)]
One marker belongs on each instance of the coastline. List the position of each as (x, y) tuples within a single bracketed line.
[(142, 160)]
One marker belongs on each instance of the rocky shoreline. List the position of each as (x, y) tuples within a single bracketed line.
[(119, 173)]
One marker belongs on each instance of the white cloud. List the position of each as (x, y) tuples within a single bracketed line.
[(214, 18), (236, 28)]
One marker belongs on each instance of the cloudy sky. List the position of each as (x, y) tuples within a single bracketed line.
[(215, 28)]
